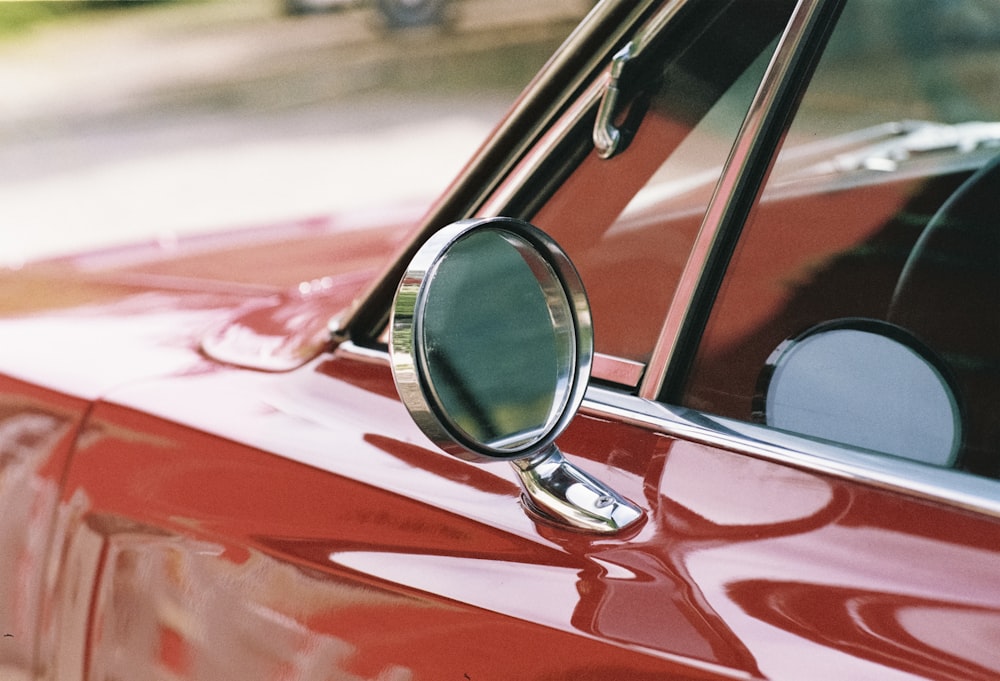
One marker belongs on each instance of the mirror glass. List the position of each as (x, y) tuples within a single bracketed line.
[(497, 340), (869, 387)]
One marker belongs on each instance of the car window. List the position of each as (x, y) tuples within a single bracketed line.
[(862, 302), (629, 222)]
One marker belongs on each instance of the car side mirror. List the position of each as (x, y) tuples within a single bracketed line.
[(491, 345)]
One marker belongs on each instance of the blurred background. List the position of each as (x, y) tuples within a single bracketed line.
[(124, 121)]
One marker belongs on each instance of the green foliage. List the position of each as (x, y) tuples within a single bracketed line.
[(20, 16), (17, 17)]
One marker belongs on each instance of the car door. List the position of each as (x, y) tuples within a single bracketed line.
[(223, 523), (854, 538), (885, 238)]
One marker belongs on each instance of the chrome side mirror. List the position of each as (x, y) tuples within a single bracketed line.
[(491, 344)]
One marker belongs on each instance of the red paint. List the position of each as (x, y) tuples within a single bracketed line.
[(219, 522), (403, 536), (169, 511)]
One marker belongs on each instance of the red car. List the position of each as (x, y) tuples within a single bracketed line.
[(693, 373)]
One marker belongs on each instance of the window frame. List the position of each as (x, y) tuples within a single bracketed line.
[(523, 192), (567, 79), (512, 174), (736, 194)]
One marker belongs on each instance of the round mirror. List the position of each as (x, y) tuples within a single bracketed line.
[(490, 339), (865, 383)]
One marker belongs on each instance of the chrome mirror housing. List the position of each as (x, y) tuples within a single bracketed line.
[(491, 344)]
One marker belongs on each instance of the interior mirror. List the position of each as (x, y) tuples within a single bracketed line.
[(491, 344), (865, 383)]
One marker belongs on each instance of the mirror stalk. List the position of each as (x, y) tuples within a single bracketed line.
[(556, 489)]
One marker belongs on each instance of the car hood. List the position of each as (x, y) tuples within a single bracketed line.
[(259, 298)]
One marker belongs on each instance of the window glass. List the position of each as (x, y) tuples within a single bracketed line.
[(628, 222), (880, 213)]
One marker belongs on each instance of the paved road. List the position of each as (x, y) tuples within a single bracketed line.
[(184, 117)]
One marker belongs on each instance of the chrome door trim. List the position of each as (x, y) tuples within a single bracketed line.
[(939, 485)]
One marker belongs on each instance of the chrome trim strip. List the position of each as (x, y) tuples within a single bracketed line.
[(364, 354), (530, 164), (749, 142), (645, 35), (939, 485)]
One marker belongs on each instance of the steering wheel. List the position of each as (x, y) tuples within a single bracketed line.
[(948, 295)]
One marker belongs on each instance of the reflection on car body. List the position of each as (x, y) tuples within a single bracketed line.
[(203, 477)]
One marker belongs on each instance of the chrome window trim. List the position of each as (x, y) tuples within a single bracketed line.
[(567, 74), (530, 164), (753, 140), (914, 479), (938, 485), (363, 353), (587, 102)]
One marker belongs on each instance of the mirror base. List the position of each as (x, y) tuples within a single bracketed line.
[(563, 493)]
